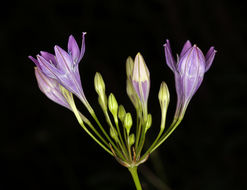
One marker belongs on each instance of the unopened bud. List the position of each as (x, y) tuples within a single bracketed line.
[(114, 134), (121, 113), (149, 122), (131, 140), (141, 78), (128, 122), (100, 89), (113, 106), (99, 84), (164, 98), (164, 95), (129, 67), (132, 94), (103, 102)]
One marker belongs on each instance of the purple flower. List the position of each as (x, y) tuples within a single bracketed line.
[(63, 66), (51, 88), (189, 71)]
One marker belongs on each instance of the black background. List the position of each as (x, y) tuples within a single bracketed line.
[(43, 147)]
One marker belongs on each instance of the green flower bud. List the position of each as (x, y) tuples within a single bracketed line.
[(99, 84), (132, 94), (113, 106), (131, 140), (128, 122), (149, 122), (164, 99), (121, 113), (164, 96), (129, 67), (114, 134), (100, 89), (103, 102)]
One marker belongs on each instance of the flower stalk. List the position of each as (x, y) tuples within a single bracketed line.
[(134, 174)]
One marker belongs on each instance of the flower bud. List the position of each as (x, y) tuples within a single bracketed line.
[(100, 89), (113, 106), (164, 99), (131, 140), (164, 95), (128, 122), (114, 134), (103, 102), (121, 113), (141, 78), (148, 123), (129, 67), (132, 94), (99, 84)]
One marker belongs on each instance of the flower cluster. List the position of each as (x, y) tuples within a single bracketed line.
[(59, 79)]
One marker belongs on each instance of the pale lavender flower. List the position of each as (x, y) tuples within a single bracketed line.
[(63, 66), (189, 71), (51, 88)]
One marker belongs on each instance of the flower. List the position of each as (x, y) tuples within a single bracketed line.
[(141, 78), (63, 67), (51, 88), (189, 72)]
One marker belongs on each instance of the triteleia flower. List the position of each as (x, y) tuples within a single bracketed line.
[(51, 88), (141, 78), (189, 72), (63, 67)]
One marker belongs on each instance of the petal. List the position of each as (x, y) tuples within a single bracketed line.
[(49, 57), (50, 88), (64, 61), (73, 49), (210, 57), (82, 47), (186, 47), (169, 58), (192, 69), (47, 68), (34, 60)]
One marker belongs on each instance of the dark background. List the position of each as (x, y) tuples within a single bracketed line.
[(43, 147)]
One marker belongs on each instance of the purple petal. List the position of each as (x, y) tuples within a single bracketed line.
[(186, 47), (169, 58), (49, 57), (64, 61), (50, 88), (82, 47), (209, 58), (192, 69), (145, 89), (47, 68), (73, 49), (136, 87), (34, 60)]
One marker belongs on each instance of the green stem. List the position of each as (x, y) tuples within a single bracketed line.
[(134, 174), (106, 135), (167, 134), (78, 116)]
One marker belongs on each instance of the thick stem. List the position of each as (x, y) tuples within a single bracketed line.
[(134, 174)]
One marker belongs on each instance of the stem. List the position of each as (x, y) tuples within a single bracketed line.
[(167, 134), (78, 116), (108, 138), (134, 174)]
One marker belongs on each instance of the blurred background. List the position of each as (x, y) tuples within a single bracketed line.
[(43, 147)]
